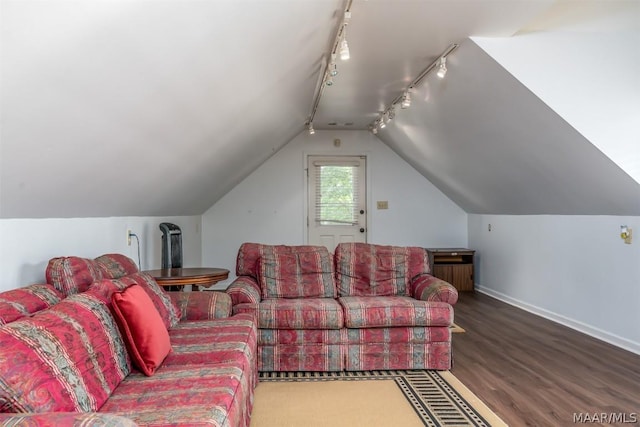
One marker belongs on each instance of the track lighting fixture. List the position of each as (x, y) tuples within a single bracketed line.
[(442, 68), (391, 114), (406, 100), (329, 68)]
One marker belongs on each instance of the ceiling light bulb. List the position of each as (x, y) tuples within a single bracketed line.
[(406, 100), (311, 129), (442, 69), (329, 81), (344, 50), (333, 69)]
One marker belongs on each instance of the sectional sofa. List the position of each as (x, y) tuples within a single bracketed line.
[(103, 344), (365, 307)]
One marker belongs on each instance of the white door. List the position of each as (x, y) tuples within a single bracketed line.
[(337, 203)]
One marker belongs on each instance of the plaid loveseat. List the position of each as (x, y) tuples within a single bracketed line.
[(63, 359), (364, 307)]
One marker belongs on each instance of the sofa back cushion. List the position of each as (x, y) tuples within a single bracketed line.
[(68, 358), (297, 275), (249, 253), (169, 312), (366, 270), (115, 266), (72, 275), (18, 303)]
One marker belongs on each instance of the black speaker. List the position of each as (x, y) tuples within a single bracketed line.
[(171, 245)]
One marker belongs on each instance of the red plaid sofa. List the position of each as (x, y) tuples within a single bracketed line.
[(365, 307), (63, 359)]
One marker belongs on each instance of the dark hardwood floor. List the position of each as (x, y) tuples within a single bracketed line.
[(532, 371)]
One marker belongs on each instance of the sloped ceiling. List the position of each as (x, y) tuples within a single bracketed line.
[(118, 108), (144, 108), (494, 148)]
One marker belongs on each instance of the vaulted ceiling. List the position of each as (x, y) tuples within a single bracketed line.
[(140, 108)]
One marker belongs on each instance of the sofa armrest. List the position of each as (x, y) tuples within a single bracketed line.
[(244, 290), (429, 288), (66, 419), (205, 305)]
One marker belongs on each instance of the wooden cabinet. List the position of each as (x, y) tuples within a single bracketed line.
[(454, 265)]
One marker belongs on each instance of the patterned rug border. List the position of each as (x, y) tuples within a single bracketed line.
[(437, 401)]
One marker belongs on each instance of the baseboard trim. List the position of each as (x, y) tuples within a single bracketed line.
[(600, 334)]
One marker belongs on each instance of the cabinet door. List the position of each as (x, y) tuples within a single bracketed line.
[(462, 277), (444, 272), (459, 275)]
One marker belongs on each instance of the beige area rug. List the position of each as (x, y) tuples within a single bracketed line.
[(367, 399)]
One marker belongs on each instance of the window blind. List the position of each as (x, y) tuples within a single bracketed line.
[(336, 192)]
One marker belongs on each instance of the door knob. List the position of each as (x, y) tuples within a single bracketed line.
[(362, 230), (361, 211)]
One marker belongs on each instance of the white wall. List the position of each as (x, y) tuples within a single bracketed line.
[(269, 205), (26, 245), (590, 80), (572, 269)]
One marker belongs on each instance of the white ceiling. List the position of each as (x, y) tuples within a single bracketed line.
[(137, 107)]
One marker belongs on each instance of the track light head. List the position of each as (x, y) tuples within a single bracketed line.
[(442, 68), (311, 129), (344, 49), (374, 130), (329, 80), (333, 69), (383, 124), (406, 100)]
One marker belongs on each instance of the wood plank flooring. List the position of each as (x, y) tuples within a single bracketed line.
[(535, 372)]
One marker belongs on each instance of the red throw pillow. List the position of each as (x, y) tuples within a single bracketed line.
[(142, 327)]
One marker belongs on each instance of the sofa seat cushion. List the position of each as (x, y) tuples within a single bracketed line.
[(398, 334), (297, 275), (188, 395), (65, 419), (66, 358), (304, 313), (18, 303), (301, 357), (384, 312), (301, 336), (398, 355), (213, 342)]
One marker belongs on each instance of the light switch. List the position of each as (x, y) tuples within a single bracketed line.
[(383, 204)]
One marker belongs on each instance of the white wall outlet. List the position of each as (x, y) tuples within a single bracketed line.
[(129, 236)]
